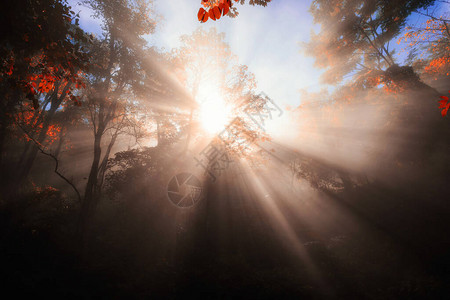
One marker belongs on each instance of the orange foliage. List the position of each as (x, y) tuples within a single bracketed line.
[(439, 65), (43, 76), (433, 33), (444, 105), (433, 28), (216, 9)]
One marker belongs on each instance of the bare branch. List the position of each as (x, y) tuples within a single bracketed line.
[(38, 145)]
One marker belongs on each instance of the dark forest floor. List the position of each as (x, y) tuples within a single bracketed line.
[(399, 251)]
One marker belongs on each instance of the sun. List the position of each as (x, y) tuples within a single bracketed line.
[(214, 115)]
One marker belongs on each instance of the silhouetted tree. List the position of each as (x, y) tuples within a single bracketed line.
[(114, 79), (42, 57), (354, 39)]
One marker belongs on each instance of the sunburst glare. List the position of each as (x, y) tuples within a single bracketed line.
[(214, 113)]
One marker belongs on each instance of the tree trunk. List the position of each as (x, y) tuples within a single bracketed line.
[(103, 165), (28, 163), (89, 201), (6, 110)]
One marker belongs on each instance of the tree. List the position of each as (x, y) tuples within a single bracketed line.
[(432, 39), (134, 170), (41, 122), (211, 71), (205, 57), (353, 42), (114, 80), (354, 39), (167, 97), (43, 56)]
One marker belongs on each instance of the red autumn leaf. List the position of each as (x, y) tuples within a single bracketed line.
[(227, 2), (205, 17), (201, 13), (443, 103), (211, 14), (45, 86), (217, 12), (217, 9), (224, 7), (10, 71)]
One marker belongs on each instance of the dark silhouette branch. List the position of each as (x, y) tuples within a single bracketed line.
[(374, 46), (38, 145)]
